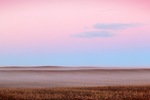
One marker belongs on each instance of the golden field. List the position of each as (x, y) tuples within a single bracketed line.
[(77, 93), (74, 83)]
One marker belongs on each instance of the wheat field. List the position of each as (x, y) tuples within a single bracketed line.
[(77, 93)]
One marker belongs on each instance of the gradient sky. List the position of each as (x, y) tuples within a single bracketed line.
[(75, 33)]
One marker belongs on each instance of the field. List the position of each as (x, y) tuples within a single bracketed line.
[(74, 83), (46, 77), (81, 93)]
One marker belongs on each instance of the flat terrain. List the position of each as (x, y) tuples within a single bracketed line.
[(82, 93), (48, 77)]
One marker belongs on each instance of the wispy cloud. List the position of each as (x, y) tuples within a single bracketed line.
[(94, 34), (114, 26), (104, 30)]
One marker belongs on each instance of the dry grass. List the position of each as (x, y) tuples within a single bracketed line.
[(81, 93)]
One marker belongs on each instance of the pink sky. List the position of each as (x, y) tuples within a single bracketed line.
[(52, 26)]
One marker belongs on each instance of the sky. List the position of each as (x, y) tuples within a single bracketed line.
[(112, 33)]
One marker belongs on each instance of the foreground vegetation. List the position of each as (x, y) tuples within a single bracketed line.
[(82, 93)]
